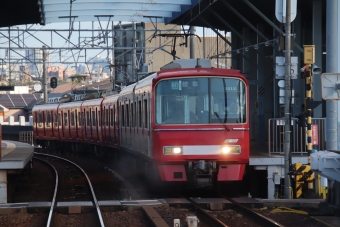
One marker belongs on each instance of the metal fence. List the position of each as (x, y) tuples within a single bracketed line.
[(298, 139), (26, 137)]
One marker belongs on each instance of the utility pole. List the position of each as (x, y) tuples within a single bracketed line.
[(44, 80), (134, 54), (192, 42), (287, 117)]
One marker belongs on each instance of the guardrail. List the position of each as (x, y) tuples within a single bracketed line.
[(298, 136), (26, 137)]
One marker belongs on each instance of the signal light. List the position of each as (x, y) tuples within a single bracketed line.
[(54, 82)]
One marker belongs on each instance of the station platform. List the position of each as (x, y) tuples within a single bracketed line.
[(273, 163), (14, 157)]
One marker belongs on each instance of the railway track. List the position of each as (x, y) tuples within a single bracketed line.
[(212, 218), (73, 171)]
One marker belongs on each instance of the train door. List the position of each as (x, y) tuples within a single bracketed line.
[(116, 124), (138, 136), (98, 125), (87, 126), (122, 124), (145, 126), (93, 123), (60, 126), (48, 128), (55, 125), (105, 129), (130, 122)]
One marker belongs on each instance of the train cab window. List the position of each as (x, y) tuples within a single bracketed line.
[(65, 119), (107, 117), (93, 118), (87, 118), (145, 113), (200, 101)]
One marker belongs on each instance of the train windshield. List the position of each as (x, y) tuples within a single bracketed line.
[(201, 100)]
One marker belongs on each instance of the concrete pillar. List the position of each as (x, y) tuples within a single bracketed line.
[(270, 176), (22, 121), (3, 186), (30, 121), (11, 120)]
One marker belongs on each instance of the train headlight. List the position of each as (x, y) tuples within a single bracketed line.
[(172, 150), (231, 149)]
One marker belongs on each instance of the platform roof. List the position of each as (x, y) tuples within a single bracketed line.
[(220, 14), (54, 11)]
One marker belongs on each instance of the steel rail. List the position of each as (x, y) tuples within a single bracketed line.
[(208, 217), (265, 220), (50, 214), (89, 182)]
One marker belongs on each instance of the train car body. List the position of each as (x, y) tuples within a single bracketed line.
[(92, 126), (110, 122), (193, 123), (186, 123), (45, 118), (70, 128)]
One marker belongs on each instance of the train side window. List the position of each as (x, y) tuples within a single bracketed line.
[(82, 118), (112, 115), (132, 115), (55, 118), (77, 116), (48, 120), (87, 118), (145, 113), (72, 119), (123, 115), (127, 116), (99, 118), (140, 113), (40, 119), (107, 117), (65, 119), (93, 118), (59, 119)]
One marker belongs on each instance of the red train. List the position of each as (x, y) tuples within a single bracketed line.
[(189, 123)]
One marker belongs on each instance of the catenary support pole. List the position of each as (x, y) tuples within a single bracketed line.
[(287, 133)]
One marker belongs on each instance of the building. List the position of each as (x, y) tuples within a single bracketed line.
[(55, 71)]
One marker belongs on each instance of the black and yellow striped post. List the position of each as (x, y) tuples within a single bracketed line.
[(309, 93), (309, 59), (303, 174)]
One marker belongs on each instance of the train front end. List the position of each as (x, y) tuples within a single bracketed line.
[(200, 126)]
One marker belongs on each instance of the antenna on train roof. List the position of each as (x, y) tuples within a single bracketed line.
[(198, 64)]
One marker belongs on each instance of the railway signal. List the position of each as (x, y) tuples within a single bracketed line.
[(54, 82)]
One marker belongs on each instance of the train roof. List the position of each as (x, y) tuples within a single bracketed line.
[(92, 102), (45, 107), (111, 98), (71, 104), (144, 82)]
